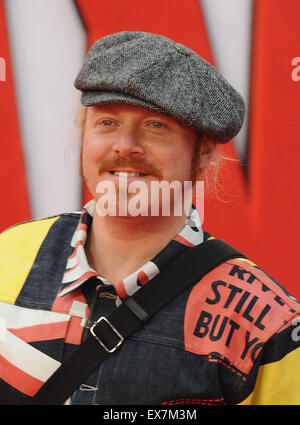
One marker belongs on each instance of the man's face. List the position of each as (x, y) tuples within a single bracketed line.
[(125, 141)]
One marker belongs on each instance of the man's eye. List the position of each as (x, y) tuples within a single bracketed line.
[(157, 124), (106, 123)]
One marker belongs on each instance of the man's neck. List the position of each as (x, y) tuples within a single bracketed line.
[(118, 246)]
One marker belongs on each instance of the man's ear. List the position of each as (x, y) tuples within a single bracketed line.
[(206, 153)]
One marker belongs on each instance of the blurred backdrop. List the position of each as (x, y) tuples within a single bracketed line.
[(254, 43)]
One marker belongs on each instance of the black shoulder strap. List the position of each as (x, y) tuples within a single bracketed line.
[(108, 333)]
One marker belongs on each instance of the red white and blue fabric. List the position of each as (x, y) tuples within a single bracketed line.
[(78, 270)]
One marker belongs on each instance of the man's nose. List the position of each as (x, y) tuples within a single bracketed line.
[(127, 144)]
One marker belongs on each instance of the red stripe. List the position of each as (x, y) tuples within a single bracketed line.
[(120, 288), (75, 249), (75, 331), (18, 379), (275, 149), (13, 188), (72, 268), (180, 239), (44, 332), (143, 278), (63, 304), (82, 226)]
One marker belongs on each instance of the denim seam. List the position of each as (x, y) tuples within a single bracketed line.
[(97, 384), (31, 302), (162, 343), (161, 337)]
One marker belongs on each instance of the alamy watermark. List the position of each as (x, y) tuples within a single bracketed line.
[(296, 71), (159, 198), (2, 69), (296, 330)]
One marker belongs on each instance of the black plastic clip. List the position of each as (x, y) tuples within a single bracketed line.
[(136, 309)]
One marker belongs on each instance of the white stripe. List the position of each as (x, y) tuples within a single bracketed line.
[(130, 283), (71, 262), (48, 46), (195, 238), (229, 25), (27, 358), (78, 309), (70, 288), (189, 234), (79, 235), (19, 317), (2, 329), (90, 207), (82, 267)]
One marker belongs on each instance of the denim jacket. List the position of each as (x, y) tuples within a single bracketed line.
[(226, 340)]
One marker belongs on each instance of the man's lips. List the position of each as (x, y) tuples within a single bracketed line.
[(128, 173), (126, 167)]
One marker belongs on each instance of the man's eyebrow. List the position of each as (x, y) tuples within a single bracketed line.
[(98, 114), (103, 111)]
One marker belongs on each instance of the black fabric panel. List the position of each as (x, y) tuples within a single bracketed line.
[(279, 346), (169, 253), (54, 348), (11, 396)]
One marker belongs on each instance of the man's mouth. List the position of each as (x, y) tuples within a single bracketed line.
[(127, 173), (130, 168)]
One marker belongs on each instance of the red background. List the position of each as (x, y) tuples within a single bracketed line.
[(258, 212)]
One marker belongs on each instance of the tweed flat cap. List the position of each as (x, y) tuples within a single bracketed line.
[(153, 71)]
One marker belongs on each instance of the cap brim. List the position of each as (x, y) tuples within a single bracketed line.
[(90, 98)]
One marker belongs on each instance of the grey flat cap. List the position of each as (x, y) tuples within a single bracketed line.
[(153, 71)]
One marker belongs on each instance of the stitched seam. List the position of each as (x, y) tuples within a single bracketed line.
[(231, 368), (157, 343), (161, 337), (25, 300), (191, 121), (76, 215), (194, 401), (148, 67)]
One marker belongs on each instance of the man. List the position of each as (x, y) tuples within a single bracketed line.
[(154, 112)]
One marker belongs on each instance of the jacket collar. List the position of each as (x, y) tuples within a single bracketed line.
[(78, 270)]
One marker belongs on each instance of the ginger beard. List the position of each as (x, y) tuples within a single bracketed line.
[(147, 199)]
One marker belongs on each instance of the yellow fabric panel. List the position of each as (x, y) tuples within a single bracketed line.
[(19, 246), (247, 261), (278, 383)]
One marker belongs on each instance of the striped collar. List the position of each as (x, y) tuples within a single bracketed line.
[(78, 270)]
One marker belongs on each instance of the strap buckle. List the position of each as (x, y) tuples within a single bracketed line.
[(121, 339)]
